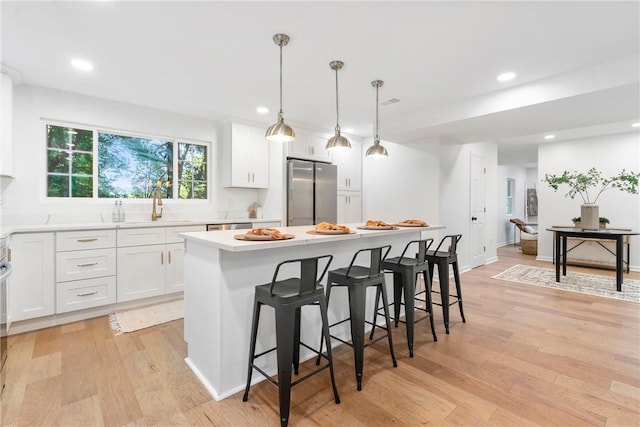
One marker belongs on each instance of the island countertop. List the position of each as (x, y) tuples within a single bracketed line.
[(225, 239)]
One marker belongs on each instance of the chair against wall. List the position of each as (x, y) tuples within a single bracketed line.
[(287, 297)]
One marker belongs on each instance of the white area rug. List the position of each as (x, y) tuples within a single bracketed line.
[(145, 317), (592, 284)]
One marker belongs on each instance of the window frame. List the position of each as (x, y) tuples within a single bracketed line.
[(126, 133)]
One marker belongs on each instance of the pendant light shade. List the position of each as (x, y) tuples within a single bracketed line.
[(337, 141), (280, 131), (377, 150)]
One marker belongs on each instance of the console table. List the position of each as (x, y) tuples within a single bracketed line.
[(560, 247)]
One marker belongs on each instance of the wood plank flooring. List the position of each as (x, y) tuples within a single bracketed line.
[(527, 356)]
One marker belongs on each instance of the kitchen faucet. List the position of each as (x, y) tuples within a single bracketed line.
[(156, 195)]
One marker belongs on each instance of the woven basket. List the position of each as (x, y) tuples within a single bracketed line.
[(529, 246)]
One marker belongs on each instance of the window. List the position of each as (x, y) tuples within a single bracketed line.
[(128, 166), (511, 189), (69, 162)]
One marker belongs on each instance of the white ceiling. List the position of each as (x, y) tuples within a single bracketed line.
[(577, 61)]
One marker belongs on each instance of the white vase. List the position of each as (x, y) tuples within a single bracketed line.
[(589, 216)]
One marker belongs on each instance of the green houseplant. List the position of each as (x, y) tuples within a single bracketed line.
[(589, 186), (602, 220)]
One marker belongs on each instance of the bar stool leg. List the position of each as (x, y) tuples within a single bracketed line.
[(252, 346), (398, 282), (385, 301), (357, 303), (456, 275), (443, 277), (325, 334), (409, 285), (296, 342), (429, 302), (322, 337), (284, 341)]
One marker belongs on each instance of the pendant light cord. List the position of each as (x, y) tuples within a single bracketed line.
[(280, 113), (337, 108), (377, 138)]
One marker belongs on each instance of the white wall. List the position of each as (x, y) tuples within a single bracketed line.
[(609, 154), (25, 196), (404, 185), (455, 162), (504, 229)]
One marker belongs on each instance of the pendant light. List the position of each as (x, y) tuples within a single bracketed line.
[(337, 141), (377, 150), (280, 131)]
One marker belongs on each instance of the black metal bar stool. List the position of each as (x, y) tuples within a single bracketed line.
[(357, 279), (287, 297), (405, 273), (442, 259)]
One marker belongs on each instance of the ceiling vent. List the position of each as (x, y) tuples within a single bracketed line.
[(390, 101)]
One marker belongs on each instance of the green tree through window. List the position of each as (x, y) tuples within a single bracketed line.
[(127, 166), (69, 162)]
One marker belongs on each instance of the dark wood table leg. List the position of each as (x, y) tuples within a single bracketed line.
[(557, 253), (619, 257), (564, 254)]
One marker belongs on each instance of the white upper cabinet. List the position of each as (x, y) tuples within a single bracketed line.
[(245, 155), (6, 120), (309, 145), (349, 164)]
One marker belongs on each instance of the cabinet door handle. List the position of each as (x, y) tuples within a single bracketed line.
[(253, 177), (161, 258), (169, 256), (248, 176), (93, 239), (313, 150), (86, 294), (87, 264)]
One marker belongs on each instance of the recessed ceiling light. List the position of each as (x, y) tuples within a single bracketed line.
[(82, 65), (549, 136), (262, 110), (636, 125), (505, 77)]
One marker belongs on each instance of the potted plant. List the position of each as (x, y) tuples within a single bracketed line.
[(602, 220), (589, 186)]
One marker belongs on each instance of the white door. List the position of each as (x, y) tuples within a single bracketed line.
[(477, 208)]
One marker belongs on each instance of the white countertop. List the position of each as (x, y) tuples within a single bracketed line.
[(37, 228), (225, 239)]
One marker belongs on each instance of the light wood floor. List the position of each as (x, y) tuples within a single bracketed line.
[(526, 356)]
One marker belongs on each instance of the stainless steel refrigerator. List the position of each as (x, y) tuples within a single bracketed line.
[(312, 192)]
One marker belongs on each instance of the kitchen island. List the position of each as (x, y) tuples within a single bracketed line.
[(221, 273)]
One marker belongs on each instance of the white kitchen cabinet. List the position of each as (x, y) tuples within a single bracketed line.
[(85, 269), (6, 125), (150, 261), (349, 206), (309, 145), (349, 165), (32, 284), (245, 154)]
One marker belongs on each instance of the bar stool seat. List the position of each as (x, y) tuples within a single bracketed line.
[(357, 279), (442, 258), (287, 296), (405, 273)]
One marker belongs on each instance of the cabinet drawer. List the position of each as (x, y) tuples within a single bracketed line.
[(76, 265), (87, 293), (172, 232), (141, 236), (81, 240)]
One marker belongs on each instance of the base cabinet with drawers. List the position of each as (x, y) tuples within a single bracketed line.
[(150, 261), (85, 269)]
